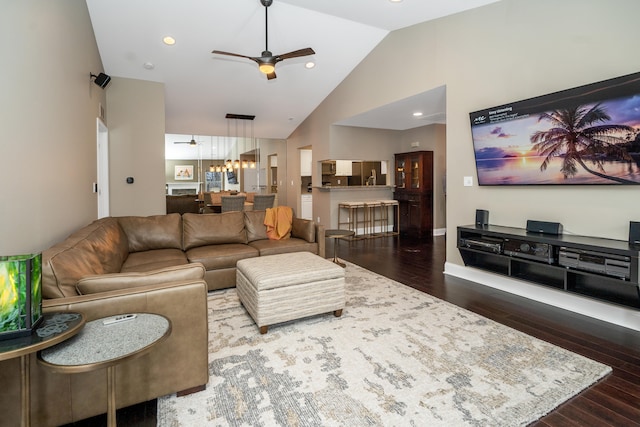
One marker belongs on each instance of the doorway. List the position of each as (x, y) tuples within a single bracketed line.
[(102, 186)]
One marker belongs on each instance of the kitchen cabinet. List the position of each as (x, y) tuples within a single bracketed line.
[(414, 192), (344, 168), (305, 163), (306, 206)]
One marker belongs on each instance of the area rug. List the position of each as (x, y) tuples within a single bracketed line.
[(396, 357)]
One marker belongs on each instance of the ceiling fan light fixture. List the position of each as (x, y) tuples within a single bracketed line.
[(267, 68)]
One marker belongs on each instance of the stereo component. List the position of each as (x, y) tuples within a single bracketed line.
[(544, 227), (486, 244), (529, 250), (597, 262), (634, 233), (482, 218)]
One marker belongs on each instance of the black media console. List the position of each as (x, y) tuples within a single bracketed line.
[(604, 269)]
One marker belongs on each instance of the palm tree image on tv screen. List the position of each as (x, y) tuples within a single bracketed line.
[(585, 135)]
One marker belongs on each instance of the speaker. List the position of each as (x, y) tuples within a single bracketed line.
[(544, 227), (482, 218), (102, 80), (634, 233)]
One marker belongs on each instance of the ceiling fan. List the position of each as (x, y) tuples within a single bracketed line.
[(192, 142), (267, 62)]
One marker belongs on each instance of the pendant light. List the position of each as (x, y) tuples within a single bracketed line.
[(212, 167)]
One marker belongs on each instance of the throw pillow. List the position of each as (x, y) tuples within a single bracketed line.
[(254, 223), (303, 229)]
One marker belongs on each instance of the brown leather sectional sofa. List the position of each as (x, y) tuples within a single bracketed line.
[(161, 264)]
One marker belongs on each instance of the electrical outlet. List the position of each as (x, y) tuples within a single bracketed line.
[(318, 220), (468, 181)]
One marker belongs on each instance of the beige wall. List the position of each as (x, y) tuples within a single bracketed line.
[(135, 118), (503, 52), (48, 122)]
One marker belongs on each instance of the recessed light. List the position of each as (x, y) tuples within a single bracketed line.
[(168, 40), (417, 114), (310, 64), (148, 66), (395, 1)]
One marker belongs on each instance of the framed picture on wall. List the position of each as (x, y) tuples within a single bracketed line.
[(183, 172)]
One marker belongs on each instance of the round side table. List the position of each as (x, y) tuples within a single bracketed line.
[(102, 344), (335, 235), (55, 328)]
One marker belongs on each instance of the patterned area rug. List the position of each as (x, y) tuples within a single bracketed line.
[(396, 357)]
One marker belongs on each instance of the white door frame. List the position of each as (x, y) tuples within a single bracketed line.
[(102, 138)]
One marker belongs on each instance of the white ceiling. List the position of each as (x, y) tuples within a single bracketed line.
[(200, 87)]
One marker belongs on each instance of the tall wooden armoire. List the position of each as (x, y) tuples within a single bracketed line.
[(414, 192)]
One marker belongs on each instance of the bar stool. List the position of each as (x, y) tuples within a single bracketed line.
[(386, 204), (353, 217), (370, 208)]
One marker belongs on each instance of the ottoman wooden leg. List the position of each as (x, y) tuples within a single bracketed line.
[(264, 329), (337, 313)]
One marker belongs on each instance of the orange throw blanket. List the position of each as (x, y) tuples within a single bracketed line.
[(278, 221)]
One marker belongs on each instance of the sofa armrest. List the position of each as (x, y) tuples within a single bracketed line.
[(109, 282), (178, 363)]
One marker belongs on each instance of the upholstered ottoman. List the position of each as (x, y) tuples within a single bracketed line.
[(278, 288)]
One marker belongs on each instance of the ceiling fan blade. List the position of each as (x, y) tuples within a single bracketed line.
[(271, 76), (192, 142), (219, 52), (296, 53)]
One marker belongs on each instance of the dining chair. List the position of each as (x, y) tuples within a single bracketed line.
[(262, 202), (233, 203)]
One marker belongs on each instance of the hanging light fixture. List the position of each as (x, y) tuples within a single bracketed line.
[(212, 167), (252, 163), (228, 163)]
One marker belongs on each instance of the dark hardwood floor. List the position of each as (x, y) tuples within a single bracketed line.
[(614, 401)]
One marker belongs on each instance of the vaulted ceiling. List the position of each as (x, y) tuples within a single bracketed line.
[(201, 87)]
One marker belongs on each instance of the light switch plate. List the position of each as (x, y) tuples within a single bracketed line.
[(468, 181)]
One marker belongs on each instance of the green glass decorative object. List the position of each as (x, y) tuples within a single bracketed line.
[(20, 295)]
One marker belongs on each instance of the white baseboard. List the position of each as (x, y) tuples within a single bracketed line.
[(618, 315)]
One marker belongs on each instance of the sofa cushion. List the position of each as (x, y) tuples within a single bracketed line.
[(117, 281), (153, 260), (102, 250), (273, 247), (152, 232), (303, 229), (254, 223), (216, 257), (213, 229)]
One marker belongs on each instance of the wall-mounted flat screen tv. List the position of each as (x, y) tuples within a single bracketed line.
[(585, 135)]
